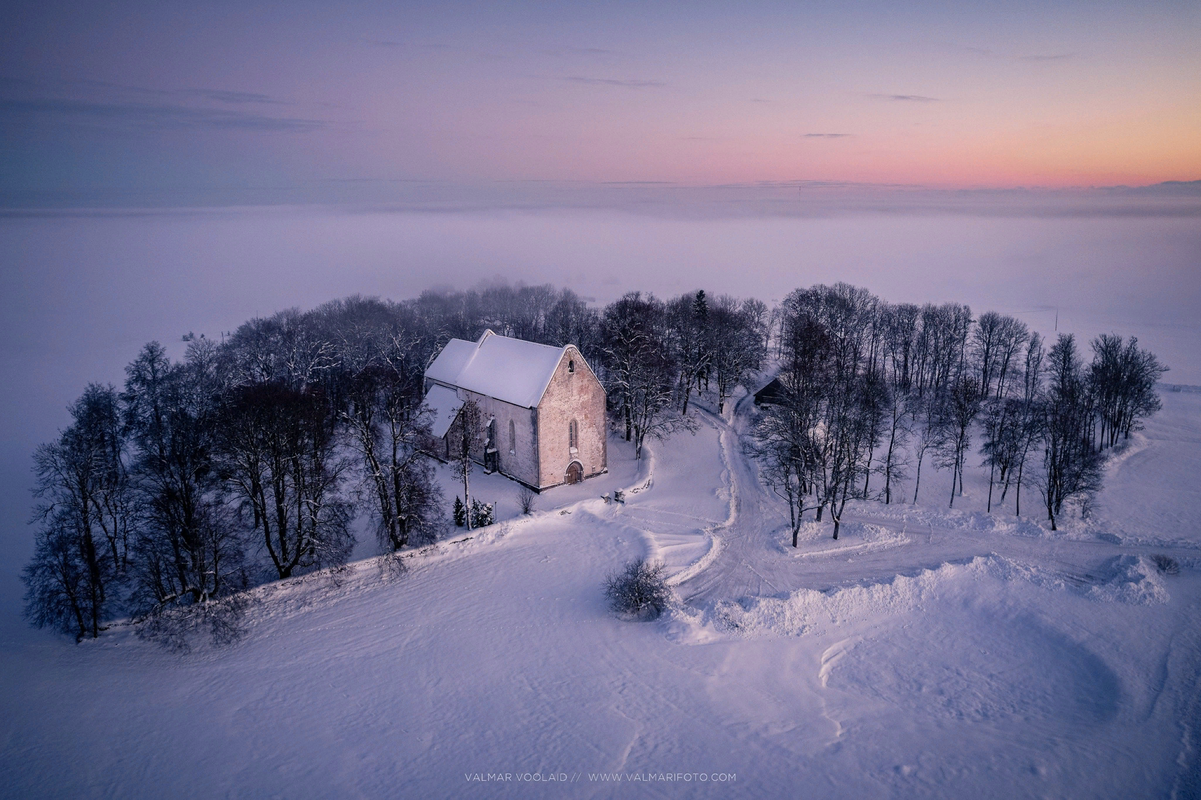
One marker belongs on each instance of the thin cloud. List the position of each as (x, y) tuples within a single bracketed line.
[(905, 98), (561, 52), (827, 135), (759, 100), (150, 116), (986, 53), (120, 88), (236, 98), (392, 44), (633, 83), (1048, 57), (123, 92)]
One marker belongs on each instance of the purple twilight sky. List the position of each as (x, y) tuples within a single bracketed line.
[(129, 102)]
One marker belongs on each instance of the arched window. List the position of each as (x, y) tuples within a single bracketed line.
[(512, 437), (571, 365), (573, 435)]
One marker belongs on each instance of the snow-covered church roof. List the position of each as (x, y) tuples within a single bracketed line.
[(512, 370), (444, 404)]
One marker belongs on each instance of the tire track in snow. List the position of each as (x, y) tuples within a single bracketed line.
[(748, 561), (740, 565), (671, 536)]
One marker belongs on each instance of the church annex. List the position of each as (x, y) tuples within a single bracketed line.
[(542, 408)]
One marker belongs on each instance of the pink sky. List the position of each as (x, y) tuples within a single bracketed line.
[(290, 98)]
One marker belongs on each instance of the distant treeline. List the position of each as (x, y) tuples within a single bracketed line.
[(249, 460)]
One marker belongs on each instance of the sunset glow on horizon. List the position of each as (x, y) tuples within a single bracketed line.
[(271, 96)]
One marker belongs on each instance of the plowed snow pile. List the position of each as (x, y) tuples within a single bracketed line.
[(1121, 579)]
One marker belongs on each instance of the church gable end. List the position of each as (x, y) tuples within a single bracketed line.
[(571, 422)]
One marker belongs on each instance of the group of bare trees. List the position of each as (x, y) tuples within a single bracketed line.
[(249, 459), (868, 388), (245, 461), (656, 354)]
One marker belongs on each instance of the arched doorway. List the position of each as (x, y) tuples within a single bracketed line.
[(575, 472)]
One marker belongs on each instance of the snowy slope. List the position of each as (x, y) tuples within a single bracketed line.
[(927, 652)]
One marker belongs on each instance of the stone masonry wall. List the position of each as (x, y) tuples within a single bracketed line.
[(571, 395)]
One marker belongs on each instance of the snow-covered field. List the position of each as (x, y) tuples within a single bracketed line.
[(926, 652)]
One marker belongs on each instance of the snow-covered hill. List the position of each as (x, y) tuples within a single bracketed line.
[(926, 652)]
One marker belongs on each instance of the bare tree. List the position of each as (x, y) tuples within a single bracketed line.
[(386, 429), (640, 369), (736, 343), (382, 353), (897, 418), (279, 459), (846, 439), (783, 440), (960, 410), (876, 399), (781, 444), (931, 430), (1071, 466), (940, 351), (187, 551), (1122, 378), (899, 325), (1023, 426), (570, 321), (526, 500), (687, 339), (80, 551), (834, 323), (996, 340), (467, 433)]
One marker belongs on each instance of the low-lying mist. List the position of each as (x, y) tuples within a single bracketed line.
[(81, 292)]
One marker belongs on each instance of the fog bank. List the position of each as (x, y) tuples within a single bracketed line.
[(81, 293)]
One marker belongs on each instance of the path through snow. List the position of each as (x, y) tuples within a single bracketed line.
[(907, 659)]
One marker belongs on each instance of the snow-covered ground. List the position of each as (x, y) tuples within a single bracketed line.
[(928, 651)]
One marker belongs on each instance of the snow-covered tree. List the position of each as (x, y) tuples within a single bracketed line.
[(187, 551), (279, 459), (84, 516)]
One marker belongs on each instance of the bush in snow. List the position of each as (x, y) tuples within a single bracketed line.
[(639, 590), (481, 514), (1166, 564), (525, 499), (177, 628), (460, 512)]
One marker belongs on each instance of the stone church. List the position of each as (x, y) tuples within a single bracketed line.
[(542, 409)]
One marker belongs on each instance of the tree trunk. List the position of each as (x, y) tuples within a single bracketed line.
[(917, 480), (892, 438), (991, 470), (466, 494), (867, 473), (1017, 491)]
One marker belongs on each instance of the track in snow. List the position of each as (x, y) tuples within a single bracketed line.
[(748, 559)]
